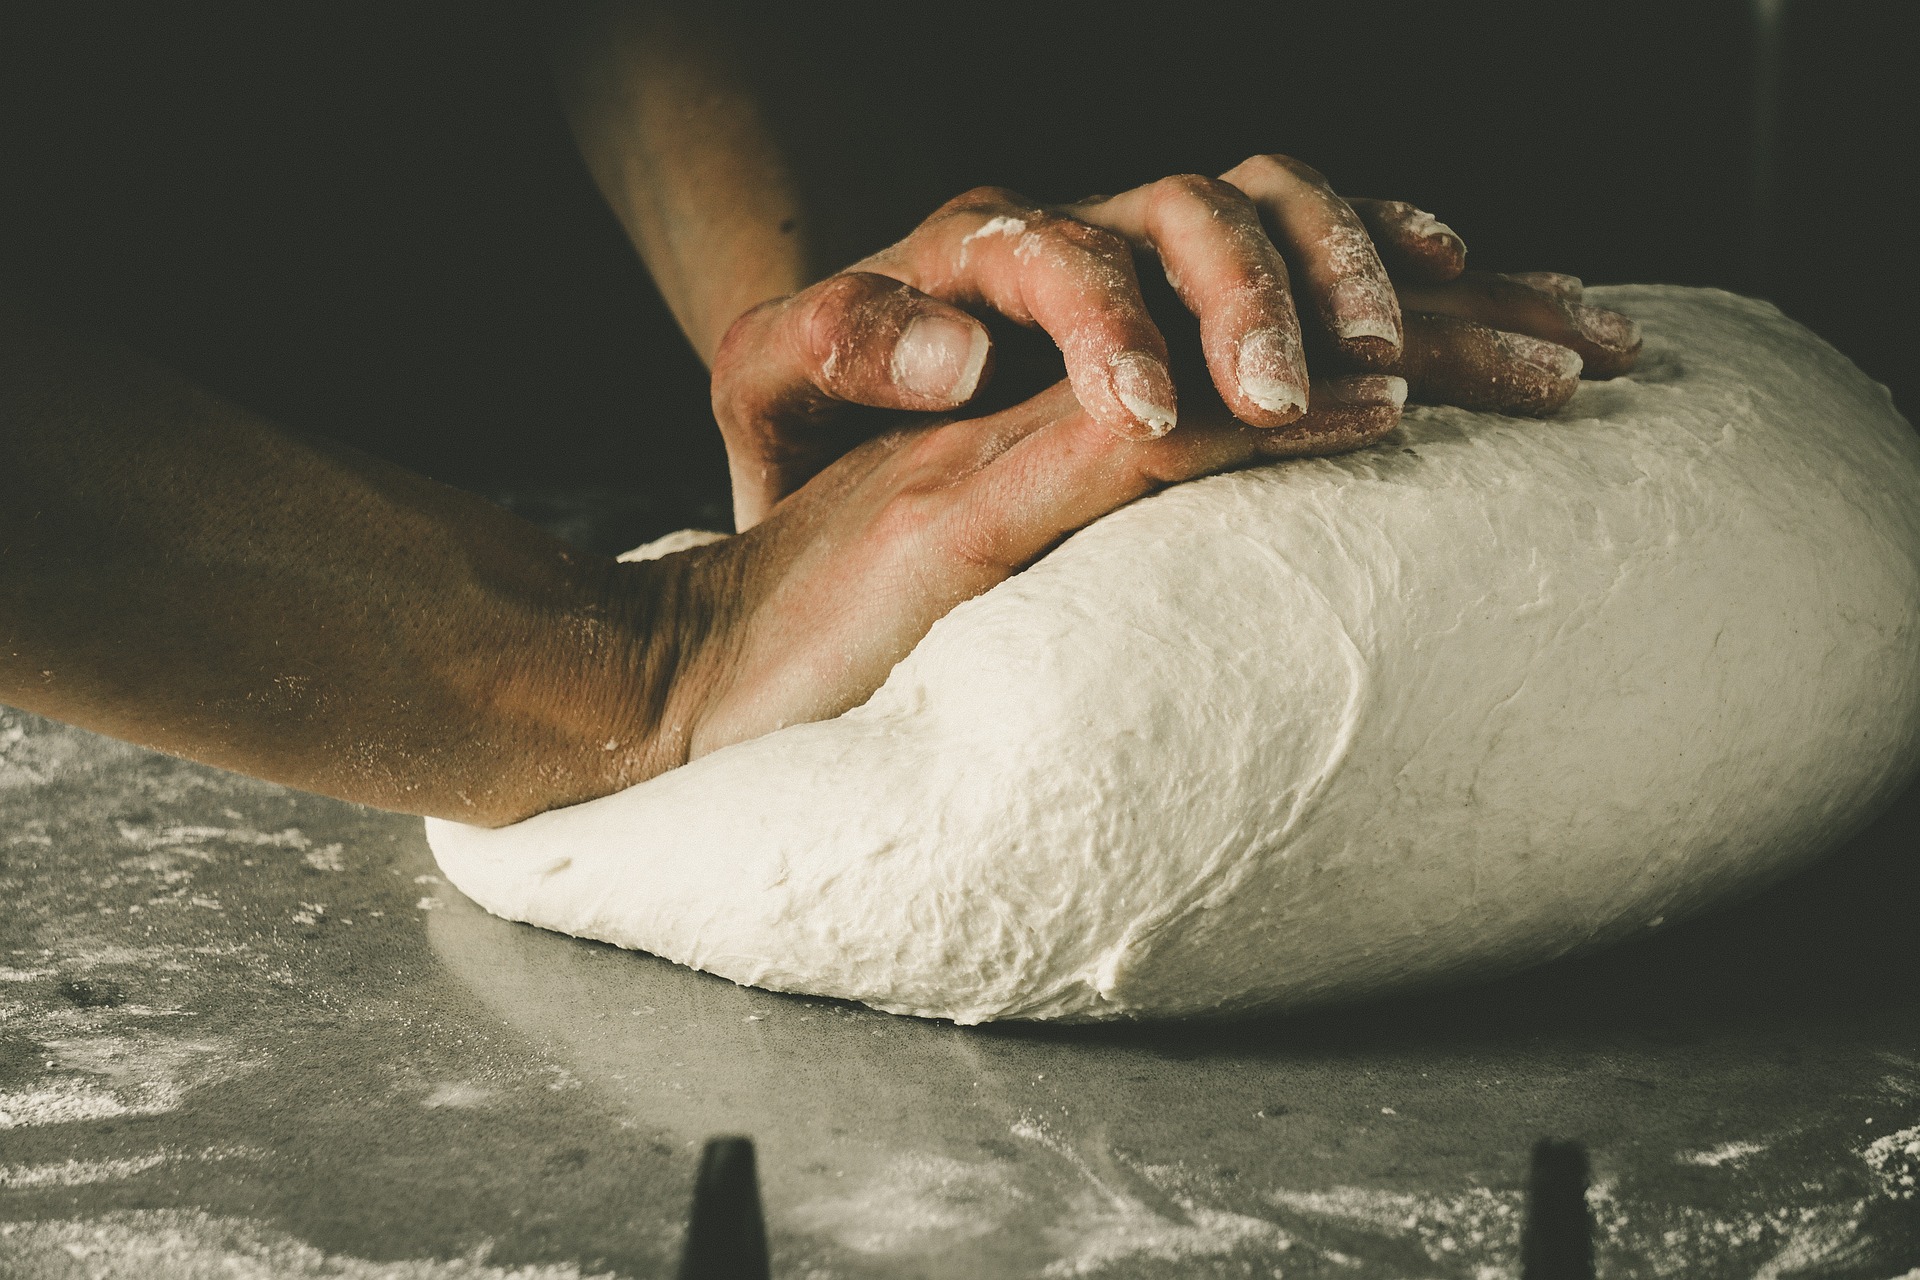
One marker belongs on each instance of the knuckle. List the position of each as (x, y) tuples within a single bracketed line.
[(1198, 188), (1259, 166), (987, 199), (743, 338), (1077, 237), (840, 309), (1277, 168), (849, 291), (1189, 198), (1301, 170)]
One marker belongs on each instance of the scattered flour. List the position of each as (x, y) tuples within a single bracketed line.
[(915, 1204), (80, 1173), (919, 1203), (180, 1244), (1682, 1242), (1478, 1224), (25, 975), (1817, 1240), (193, 837), (1726, 1153), (35, 752), (325, 858), (1108, 1224), (76, 1173), (105, 1076), (1480, 1228), (67, 1101), (1001, 226), (1894, 1162), (459, 1096), (1104, 1229)]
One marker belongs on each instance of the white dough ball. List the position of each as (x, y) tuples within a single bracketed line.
[(1490, 692)]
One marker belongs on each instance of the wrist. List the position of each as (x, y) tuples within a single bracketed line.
[(608, 690)]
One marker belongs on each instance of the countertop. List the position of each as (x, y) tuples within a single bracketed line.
[(250, 1032)]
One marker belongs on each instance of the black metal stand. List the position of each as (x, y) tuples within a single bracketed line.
[(726, 1233), (1557, 1241)]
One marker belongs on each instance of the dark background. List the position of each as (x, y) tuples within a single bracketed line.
[(368, 220)]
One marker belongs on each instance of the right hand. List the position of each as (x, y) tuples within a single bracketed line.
[(803, 616)]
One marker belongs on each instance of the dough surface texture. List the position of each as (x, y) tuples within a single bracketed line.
[(1491, 692)]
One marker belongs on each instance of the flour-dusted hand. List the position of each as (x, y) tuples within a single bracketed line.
[(1274, 267), (1479, 340), (1545, 305), (903, 329), (1509, 343)]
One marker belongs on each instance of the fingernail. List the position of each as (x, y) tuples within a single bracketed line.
[(1552, 359), (940, 357), (1362, 307), (1422, 223), (1608, 328), (1145, 387), (1557, 283), (1267, 365), (1368, 391)]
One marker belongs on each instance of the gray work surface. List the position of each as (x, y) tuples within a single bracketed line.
[(249, 1032)]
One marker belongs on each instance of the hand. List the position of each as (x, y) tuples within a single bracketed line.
[(1510, 343), (803, 616), (902, 330)]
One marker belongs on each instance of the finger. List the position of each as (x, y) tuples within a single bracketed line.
[(1460, 362), (1332, 257), (857, 338), (1219, 260), (1412, 242), (1344, 414), (1076, 282), (1607, 341), (1556, 283)]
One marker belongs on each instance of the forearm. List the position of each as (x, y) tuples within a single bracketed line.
[(178, 573), (676, 139), (740, 171)]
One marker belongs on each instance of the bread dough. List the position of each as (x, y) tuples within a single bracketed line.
[(1490, 692)]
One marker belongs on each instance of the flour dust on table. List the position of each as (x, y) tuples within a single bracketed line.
[(1490, 692)]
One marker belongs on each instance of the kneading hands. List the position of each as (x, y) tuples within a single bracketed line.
[(902, 435)]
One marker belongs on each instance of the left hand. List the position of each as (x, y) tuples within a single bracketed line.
[(789, 370)]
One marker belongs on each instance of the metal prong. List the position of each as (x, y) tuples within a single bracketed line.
[(1557, 1241), (726, 1234)]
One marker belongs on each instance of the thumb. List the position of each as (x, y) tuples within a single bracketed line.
[(854, 338), (787, 367)]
